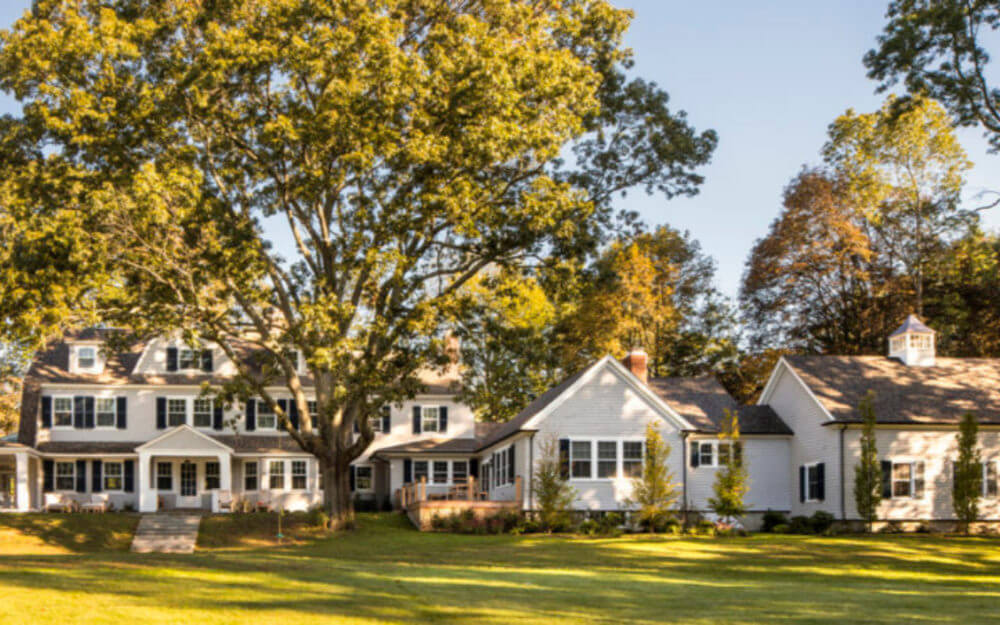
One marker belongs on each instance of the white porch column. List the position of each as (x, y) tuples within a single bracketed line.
[(147, 494), (22, 491)]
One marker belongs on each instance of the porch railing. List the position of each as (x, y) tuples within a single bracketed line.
[(470, 490)]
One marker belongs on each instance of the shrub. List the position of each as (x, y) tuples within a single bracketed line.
[(800, 525), (438, 522), (318, 517), (782, 528), (705, 527), (773, 518), (821, 521)]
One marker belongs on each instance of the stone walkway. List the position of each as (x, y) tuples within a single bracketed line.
[(166, 533)]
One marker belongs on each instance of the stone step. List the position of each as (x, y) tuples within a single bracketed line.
[(166, 533)]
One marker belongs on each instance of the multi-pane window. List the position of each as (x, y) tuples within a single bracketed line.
[(86, 357), (299, 474), (990, 479), (188, 359), (176, 412), (62, 412), (249, 476), (265, 416), (105, 408), (440, 475), (707, 454), (814, 482), (632, 458), (202, 413), (211, 475), (362, 478), (580, 456), (906, 479), (607, 459), (65, 475), (430, 419), (277, 475), (112, 476), (459, 471), (313, 410), (164, 476), (419, 470)]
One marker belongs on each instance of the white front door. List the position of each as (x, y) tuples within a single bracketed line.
[(188, 496)]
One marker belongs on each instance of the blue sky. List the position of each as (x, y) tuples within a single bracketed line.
[(768, 77)]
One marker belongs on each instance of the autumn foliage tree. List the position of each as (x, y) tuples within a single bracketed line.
[(167, 149)]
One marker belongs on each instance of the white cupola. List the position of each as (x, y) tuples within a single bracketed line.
[(913, 343)]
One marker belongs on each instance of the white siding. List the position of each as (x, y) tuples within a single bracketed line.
[(766, 460)]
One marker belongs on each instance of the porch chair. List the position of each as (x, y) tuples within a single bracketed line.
[(98, 502), (56, 502), (226, 501)]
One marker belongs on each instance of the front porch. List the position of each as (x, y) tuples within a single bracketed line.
[(19, 477), (184, 470), (471, 496)]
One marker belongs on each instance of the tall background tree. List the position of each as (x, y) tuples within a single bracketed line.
[(403, 146), (868, 471), (967, 481)]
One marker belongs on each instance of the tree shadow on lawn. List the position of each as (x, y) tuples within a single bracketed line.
[(404, 576), (75, 532)]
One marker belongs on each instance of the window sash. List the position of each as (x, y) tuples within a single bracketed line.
[(430, 419), (176, 412), (212, 480), (459, 470), (607, 459), (188, 359), (250, 476), (419, 469), (164, 476), (440, 474), (299, 473), (202, 413), (266, 418), (106, 410), (276, 475), (632, 458), (86, 357), (65, 476), (580, 453), (812, 482), (902, 475), (706, 452), (362, 478), (62, 411), (112, 476)]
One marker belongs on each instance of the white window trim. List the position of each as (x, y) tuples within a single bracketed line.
[(619, 457), (291, 475), (258, 475), (371, 477), (284, 476), (808, 465), (435, 407), (211, 412), (174, 479), (72, 408), (187, 409), (114, 411), (104, 476), (996, 467), (95, 368), (258, 426), (55, 477), (913, 478), (197, 357)]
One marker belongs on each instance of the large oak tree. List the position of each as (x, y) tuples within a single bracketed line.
[(167, 149)]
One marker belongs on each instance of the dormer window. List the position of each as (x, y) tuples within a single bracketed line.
[(86, 357), (187, 359)]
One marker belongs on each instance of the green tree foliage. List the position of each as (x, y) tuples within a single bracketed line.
[(937, 48), (654, 492), (861, 241), (732, 482), (552, 493), (967, 483), (868, 471), (401, 146)]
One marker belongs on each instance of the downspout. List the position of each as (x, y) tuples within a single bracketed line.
[(531, 471), (684, 472), (843, 506)]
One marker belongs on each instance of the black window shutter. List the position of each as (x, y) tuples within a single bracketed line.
[(79, 412), (283, 405), (161, 413), (474, 467), (217, 415), (386, 418), (357, 427), (171, 359), (802, 484), (564, 458), (122, 418), (407, 470), (95, 476), (251, 415), (48, 474), (353, 477), (128, 468), (821, 481), (293, 413), (886, 479), (88, 413), (81, 476), (695, 456), (510, 464), (46, 411), (443, 419), (206, 360), (416, 419)]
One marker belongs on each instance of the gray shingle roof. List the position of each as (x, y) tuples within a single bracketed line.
[(761, 420), (703, 401), (912, 324), (87, 447), (904, 395)]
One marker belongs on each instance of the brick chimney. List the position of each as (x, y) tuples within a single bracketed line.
[(635, 362)]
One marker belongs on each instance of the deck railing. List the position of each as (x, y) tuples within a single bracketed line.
[(470, 490)]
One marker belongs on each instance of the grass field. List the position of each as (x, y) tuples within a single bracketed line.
[(387, 573)]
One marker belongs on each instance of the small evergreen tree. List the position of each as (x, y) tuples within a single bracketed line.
[(654, 492), (868, 472), (732, 482), (968, 480), (551, 490)]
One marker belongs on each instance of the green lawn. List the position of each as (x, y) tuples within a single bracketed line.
[(387, 573)]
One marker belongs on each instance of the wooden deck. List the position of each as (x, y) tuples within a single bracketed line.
[(421, 508)]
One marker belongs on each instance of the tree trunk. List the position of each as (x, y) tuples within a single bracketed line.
[(337, 499)]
